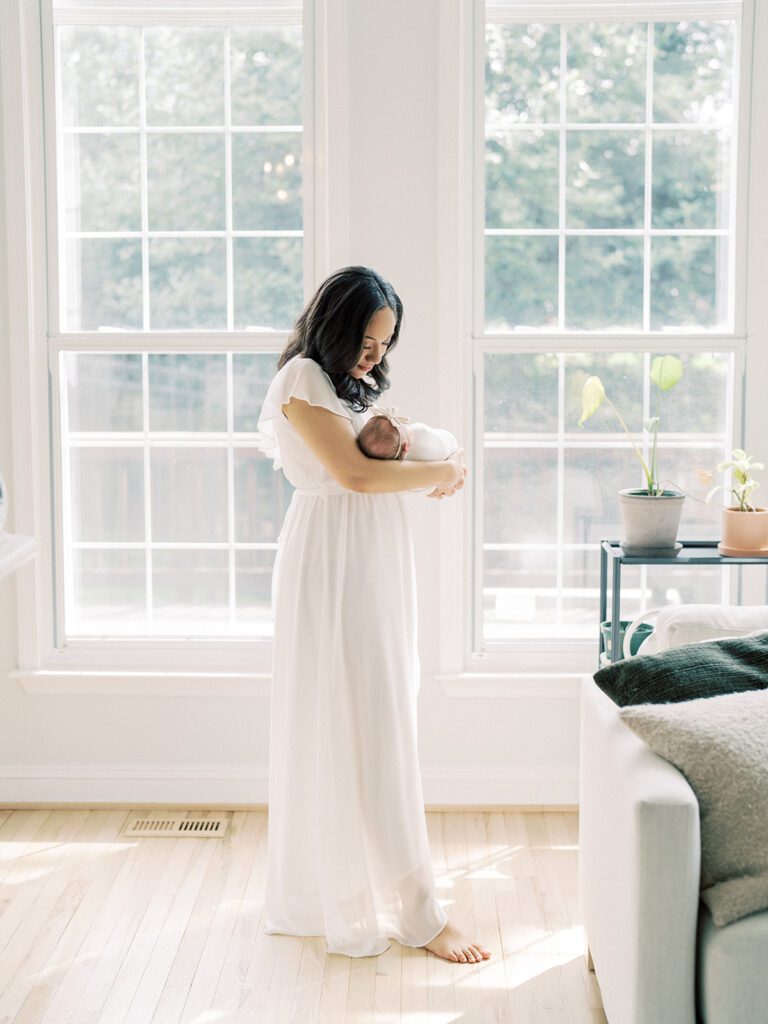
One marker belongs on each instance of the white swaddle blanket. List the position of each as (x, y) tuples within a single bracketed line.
[(430, 444)]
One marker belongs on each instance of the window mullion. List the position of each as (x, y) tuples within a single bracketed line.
[(147, 485), (144, 183), (228, 178), (562, 140), (648, 179)]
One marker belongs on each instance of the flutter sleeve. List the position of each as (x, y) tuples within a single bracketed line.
[(303, 378)]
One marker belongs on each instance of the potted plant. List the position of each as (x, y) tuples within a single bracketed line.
[(651, 515), (744, 525)]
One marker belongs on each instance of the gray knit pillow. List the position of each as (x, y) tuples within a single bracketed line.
[(720, 744)]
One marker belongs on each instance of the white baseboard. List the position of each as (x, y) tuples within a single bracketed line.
[(222, 784), (499, 786)]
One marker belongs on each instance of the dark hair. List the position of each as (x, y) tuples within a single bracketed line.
[(331, 330), (379, 430)]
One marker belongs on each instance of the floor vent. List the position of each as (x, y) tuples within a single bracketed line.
[(177, 826)]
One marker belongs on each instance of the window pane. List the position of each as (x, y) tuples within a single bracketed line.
[(103, 391), (606, 72), (699, 404), (693, 72), (592, 479), (266, 181), (254, 590), (622, 374), (103, 284), (266, 73), (521, 179), (268, 289), (190, 589), (603, 283), (520, 282), (519, 593), (101, 179), (200, 475), (691, 180), (187, 283), (511, 516), (688, 281), (99, 74), (261, 497), (185, 182), (605, 179), (187, 392), (107, 494), (521, 394), (185, 76), (522, 73), (109, 592), (252, 373)]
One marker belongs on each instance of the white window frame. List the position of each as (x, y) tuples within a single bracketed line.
[(465, 662), (185, 665)]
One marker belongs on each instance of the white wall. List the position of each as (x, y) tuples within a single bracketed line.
[(489, 745)]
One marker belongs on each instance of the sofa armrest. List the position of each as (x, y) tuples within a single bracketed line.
[(639, 860)]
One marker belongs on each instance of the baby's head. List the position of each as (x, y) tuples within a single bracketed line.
[(381, 438)]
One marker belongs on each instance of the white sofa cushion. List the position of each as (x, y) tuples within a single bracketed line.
[(732, 984), (720, 745), (692, 623)]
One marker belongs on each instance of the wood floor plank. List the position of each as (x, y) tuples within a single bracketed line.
[(360, 993), (466, 978), (309, 983), (414, 1001), (333, 999), (237, 850), (440, 973), (231, 988), (169, 936), (91, 876), (125, 854), (482, 874), (148, 927), (28, 910), (388, 985), (147, 870), (96, 928)]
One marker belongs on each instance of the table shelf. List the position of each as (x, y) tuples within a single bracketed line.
[(693, 552), (15, 550)]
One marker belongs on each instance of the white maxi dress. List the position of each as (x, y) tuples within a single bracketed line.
[(348, 855)]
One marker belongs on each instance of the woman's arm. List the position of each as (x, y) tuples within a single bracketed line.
[(332, 440)]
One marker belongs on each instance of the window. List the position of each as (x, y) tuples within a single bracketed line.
[(182, 199), (606, 160)]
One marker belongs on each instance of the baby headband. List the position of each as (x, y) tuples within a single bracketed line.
[(391, 414), (395, 418)]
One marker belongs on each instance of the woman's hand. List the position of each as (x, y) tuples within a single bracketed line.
[(456, 481)]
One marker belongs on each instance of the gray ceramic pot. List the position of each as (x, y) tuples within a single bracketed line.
[(650, 522)]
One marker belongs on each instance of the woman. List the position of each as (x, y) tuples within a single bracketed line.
[(348, 855)]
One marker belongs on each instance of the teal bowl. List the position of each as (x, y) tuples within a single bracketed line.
[(641, 634)]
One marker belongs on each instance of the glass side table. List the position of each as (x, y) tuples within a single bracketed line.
[(693, 552)]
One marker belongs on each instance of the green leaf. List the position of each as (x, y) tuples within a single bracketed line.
[(591, 398), (666, 371), (652, 424)]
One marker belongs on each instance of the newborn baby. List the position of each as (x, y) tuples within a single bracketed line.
[(387, 435)]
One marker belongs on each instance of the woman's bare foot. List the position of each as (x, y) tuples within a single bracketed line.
[(452, 944)]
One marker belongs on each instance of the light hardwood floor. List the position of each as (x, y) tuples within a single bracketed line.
[(99, 928)]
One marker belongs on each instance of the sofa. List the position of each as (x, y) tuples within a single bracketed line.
[(658, 956)]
